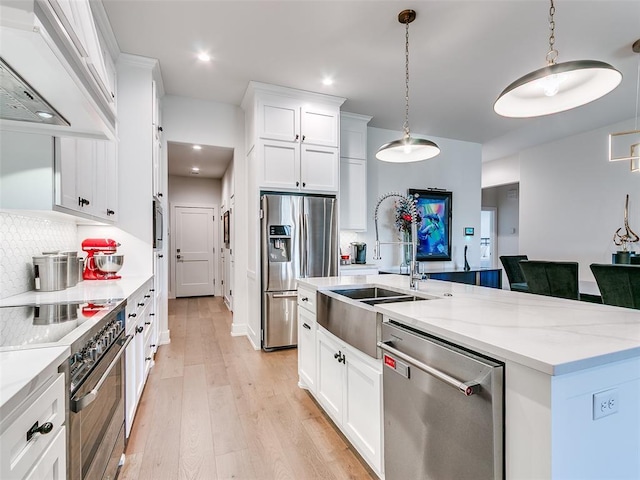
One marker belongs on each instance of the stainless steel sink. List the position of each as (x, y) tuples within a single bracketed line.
[(354, 318)]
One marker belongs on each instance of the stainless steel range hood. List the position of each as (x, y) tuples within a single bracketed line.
[(19, 101)]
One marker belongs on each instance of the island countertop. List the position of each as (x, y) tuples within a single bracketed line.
[(551, 335)]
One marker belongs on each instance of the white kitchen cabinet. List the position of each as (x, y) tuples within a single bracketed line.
[(307, 339), (42, 455), (86, 176), (156, 140), (349, 388), (139, 353), (353, 171), (296, 136)]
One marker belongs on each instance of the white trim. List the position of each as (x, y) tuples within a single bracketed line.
[(238, 330), (164, 338)]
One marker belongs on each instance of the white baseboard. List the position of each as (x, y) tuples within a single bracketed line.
[(164, 337), (238, 330)]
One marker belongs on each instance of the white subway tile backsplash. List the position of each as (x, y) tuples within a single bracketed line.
[(22, 237)]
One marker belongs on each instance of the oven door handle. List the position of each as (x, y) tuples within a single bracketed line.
[(81, 403), (466, 388)]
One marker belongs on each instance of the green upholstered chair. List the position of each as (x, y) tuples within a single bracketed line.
[(619, 284), (554, 279), (511, 264)]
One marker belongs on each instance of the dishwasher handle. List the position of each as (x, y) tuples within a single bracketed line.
[(467, 388)]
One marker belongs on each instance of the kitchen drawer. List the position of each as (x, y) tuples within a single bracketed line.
[(53, 463), (307, 299), (17, 455)]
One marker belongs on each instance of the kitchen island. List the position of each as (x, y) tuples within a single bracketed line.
[(558, 355)]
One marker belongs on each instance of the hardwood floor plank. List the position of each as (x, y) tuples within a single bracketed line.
[(197, 459), (236, 465), (225, 423)]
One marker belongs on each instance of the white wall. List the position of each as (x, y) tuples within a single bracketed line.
[(572, 199), (204, 122), (501, 171), (195, 191), (457, 169)]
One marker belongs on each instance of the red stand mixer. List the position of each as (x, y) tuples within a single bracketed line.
[(101, 262)]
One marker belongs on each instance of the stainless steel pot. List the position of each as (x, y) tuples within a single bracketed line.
[(50, 272), (72, 267)]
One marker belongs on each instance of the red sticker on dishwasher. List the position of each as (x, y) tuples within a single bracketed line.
[(390, 361)]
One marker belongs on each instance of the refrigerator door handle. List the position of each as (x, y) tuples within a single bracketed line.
[(306, 244), (285, 295)]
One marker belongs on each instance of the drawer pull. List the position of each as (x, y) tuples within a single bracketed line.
[(42, 429), (305, 299), (139, 329), (306, 326)]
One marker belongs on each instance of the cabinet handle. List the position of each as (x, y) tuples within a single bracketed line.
[(152, 289), (148, 359), (160, 256), (132, 315), (304, 184), (153, 345), (147, 296), (160, 194), (42, 429), (337, 355), (342, 358), (160, 129), (82, 202), (303, 137), (147, 323), (297, 137), (305, 299), (152, 314), (141, 304), (110, 212), (306, 326), (139, 329)]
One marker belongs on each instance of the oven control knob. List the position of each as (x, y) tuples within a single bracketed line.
[(93, 353)]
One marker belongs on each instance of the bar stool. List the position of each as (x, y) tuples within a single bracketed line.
[(619, 284), (554, 279), (511, 264)]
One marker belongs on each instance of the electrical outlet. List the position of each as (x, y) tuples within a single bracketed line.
[(605, 403)]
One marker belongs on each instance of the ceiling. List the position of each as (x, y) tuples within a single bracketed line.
[(211, 161), (462, 55)]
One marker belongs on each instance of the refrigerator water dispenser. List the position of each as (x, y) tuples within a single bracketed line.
[(279, 243)]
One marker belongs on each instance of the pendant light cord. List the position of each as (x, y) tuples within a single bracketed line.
[(552, 54), (406, 68)]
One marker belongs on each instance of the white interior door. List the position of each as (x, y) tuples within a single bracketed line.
[(194, 247)]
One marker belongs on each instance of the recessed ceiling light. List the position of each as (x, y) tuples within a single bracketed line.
[(204, 57), (46, 115), (195, 170), (327, 81), (197, 147)]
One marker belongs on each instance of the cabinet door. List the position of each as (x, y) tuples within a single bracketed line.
[(279, 119), (319, 125), (329, 387), (112, 180), (75, 172), (131, 402), (362, 413), (280, 167), (319, 168), (307, 348), (100, 194), (52, 465), (353, 194), (353, 137)]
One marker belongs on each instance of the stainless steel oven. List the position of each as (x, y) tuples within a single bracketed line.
[(95, 376)]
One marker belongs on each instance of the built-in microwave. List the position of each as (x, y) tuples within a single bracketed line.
[(157, 225)]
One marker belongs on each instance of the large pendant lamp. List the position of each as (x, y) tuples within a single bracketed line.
[(558, 86), (408, 148)]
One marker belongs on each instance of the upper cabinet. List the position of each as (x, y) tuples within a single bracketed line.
[(54, 46), (296, 136), (353, 171)]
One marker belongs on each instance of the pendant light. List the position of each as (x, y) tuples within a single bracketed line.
[(558, 86), (408, 148)]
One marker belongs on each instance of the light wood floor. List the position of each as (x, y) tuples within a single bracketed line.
[(214, 408)]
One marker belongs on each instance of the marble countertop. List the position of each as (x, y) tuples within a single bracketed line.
[(23, 371), (25, 367), (83, 292), (552, 335)]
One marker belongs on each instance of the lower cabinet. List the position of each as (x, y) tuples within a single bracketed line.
[(307, 349), (349, 388), (139, 354), (36, 455)]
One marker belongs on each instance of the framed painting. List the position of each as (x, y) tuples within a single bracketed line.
[(225, 228), (434, 229)]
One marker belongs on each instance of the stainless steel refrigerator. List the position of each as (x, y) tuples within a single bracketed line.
[(299, 239)]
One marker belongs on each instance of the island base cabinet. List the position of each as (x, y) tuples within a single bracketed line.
[(53, 463), (349, 388), (307, 349)]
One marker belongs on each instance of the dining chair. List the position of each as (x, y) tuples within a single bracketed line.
[(511, 264), (619, 284), (554, 279)]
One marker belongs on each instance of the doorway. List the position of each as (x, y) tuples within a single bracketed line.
[(488, 237), (193, 247)]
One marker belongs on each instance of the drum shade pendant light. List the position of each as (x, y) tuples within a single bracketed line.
[(407, 149), (626, 145), (558, 86)]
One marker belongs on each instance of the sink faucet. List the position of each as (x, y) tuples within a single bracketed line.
[(411, 207)]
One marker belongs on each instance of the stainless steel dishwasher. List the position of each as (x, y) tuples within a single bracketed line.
[(443, 409)]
